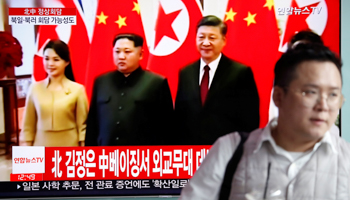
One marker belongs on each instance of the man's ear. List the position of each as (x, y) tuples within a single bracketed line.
[(277, 95), (141, 54)]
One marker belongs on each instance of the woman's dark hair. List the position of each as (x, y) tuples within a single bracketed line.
[(62, 51)]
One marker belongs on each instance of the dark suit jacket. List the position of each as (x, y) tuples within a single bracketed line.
[(232, 103), (133, 110)]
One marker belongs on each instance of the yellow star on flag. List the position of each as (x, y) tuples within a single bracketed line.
[(136, 8), (121, 21), (102, 18), (269, 4), (230, 15), (250, 19)]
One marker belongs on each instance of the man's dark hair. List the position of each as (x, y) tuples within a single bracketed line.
[(138, 40), (305, 36), (285, 68), (212, 20)]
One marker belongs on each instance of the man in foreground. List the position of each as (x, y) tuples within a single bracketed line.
[(294, 156)]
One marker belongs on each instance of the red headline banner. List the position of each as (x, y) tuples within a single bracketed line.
[(42, 11), (123, 162)]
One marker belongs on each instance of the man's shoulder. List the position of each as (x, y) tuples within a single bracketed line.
[(231, 140), (342, 147), (190, 67), (232, 63), (151, 75), (342, 144), (106, 75), (228, 142)]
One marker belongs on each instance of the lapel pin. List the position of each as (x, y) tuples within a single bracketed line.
[(67, 91)]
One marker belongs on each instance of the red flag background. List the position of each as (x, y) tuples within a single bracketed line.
[(331, 34), (174, 39), (320, 16), (252, 39)]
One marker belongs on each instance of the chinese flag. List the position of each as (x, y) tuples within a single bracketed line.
[(320, 16), (112, 18), (253, 40), (174, 39)]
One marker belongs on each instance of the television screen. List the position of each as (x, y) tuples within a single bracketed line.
[(136, 147)]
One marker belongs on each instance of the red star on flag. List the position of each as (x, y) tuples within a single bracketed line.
[(296, 22), (163, 26)]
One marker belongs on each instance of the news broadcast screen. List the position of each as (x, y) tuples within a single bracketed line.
[(159, 151)]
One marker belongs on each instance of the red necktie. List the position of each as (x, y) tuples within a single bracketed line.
[(205, 84)]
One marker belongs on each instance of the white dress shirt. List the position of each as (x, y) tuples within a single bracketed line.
[(213, 66), (292, 162)]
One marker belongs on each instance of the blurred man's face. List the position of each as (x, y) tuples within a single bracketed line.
[(126, 56), (310, 105), (210, 42)]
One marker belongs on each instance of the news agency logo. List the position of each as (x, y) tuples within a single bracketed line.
[(299, 11), (23, 160), (28, 159)]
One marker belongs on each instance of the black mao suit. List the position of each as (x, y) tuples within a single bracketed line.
[(232, 103), (133, 110)]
